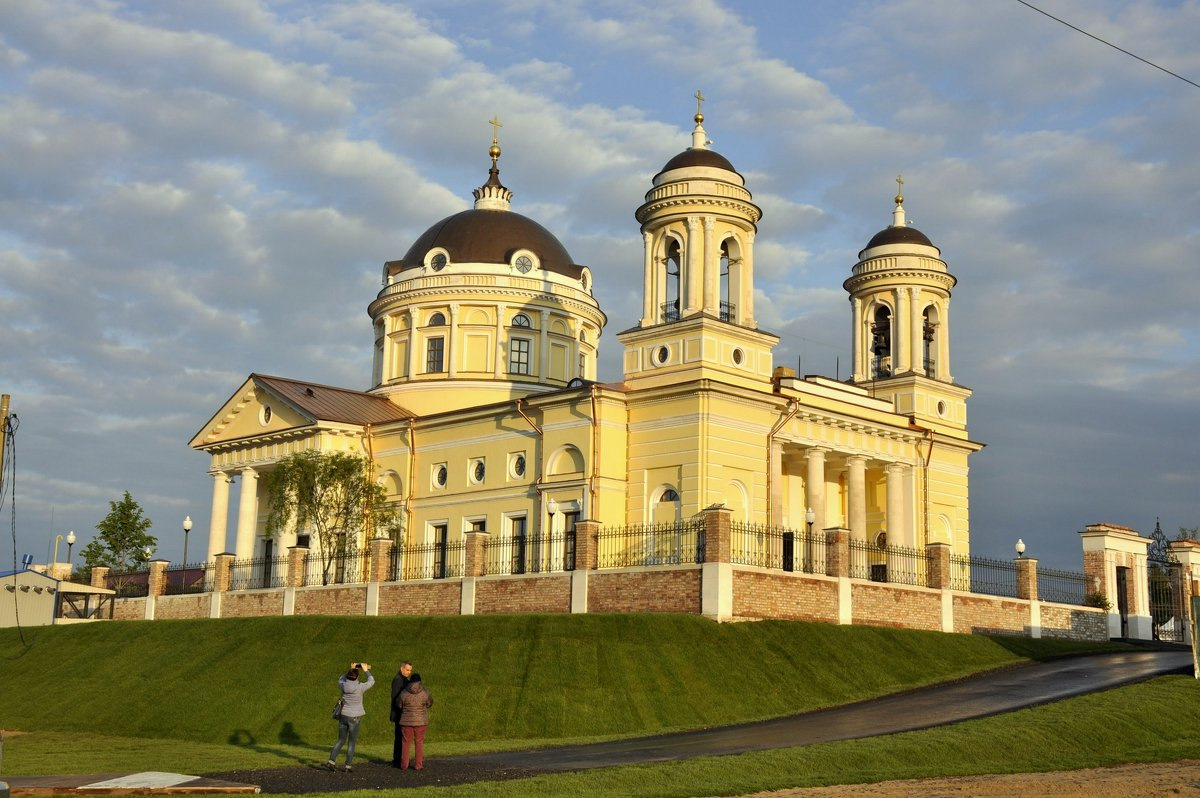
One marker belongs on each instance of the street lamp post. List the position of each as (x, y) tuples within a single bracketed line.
[(809, 518), (187, 527), (1020, 547), (70, 543)]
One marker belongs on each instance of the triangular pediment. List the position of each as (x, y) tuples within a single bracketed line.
[(254, 410)]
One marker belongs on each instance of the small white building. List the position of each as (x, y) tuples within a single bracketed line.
[(32, 598)]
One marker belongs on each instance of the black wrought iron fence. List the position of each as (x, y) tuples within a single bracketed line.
[(900, 565), (129, 584), (982, 575), (182, 578), (651, 544), (530, 554), (1064, 587), (776, 547), (438, 560), (257, 573), (346, 567)]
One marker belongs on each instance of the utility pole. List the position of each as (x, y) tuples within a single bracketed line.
[(3, 428)]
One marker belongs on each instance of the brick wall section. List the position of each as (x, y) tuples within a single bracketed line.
[(1065, 622), (990, 615), (717, 534), (675, 590), (587, 550), (893, 605), (474, 560), (381, 559), (837, 552), (193, 605), (772, 594), (156, 580), (341, 600), (129, 609), (1093, 570), (530, 594), (938, 557), (253, 604), (297, 564), (222, 572), (1027, 587), (100, 576), (439, 597)]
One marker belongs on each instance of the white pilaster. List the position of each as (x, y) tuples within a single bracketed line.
[(856, 498), (247, 515), (452, 343), (650, 297), (858, 346), (712, 269), (745, 298), (899, 531), (905, 356), (219, 516), (692, 271), (814, 485)]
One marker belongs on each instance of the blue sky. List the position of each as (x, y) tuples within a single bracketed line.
[(193, 192)]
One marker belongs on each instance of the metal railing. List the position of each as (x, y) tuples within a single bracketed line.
[(676, 543), (438, 560), (1064, 587), (899, 565), (257, 573), (346, 567), (776, 547), (129, 584), (530, 554), (982, 575), (182, 578)]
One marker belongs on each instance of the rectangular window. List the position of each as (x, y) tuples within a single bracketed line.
[(518, 355), (439, 551), (518, 545), (569, 544), (434, 350)]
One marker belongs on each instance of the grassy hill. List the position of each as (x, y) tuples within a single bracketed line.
[(498, 680)]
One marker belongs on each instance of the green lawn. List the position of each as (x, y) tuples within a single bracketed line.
[(204, 696)]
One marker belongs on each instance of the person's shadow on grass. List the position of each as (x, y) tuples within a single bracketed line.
[(288, 736)]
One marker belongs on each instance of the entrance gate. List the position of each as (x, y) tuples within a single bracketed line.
[(1168, 600)]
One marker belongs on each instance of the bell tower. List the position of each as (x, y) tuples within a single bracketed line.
[(698, 225), (900, 303)]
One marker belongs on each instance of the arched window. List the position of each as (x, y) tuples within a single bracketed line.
[(726, 308), (437, 320), (521, 320), (881, 342), (671, 308), (929, 340)]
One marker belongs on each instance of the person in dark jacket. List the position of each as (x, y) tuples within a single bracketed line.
[(415, 702), (399, 682)]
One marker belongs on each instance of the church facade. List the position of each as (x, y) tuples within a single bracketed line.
[(486, 413)]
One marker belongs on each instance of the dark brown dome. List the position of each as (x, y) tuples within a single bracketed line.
[(490, 236), (699, 156), (900, 235)]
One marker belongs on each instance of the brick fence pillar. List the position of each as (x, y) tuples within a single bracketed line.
[(222, 572), (717, 534), (938, 557), (473, 554), (100, 576), (156, 580), (837, 551), (587, 544), (297, 565), (381, 559), (1027, 587)]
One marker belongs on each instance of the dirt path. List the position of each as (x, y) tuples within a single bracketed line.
[(1128, 781)]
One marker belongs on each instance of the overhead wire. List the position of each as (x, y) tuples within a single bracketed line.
[(1110, 44)]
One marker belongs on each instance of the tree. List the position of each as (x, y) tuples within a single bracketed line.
[(122, 544), (1188, 533), (331, 494)]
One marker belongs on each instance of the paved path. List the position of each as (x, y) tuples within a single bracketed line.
[(974, 697)]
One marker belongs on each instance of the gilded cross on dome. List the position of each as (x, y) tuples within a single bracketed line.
[(494, 150), (899, 189), (699, 106)]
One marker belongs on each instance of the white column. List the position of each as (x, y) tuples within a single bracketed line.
[(650, 297), (414, 345), (898, 530), (858, 347), (905, 354), (500, 365), (452, 343), (918, 333), (745, 297), (247, 515), (712, 270), (856, 496), (219, 516), (943, 342), (692, 271), (814, 486), (544, 348)]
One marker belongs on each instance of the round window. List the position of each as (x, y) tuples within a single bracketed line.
[(737, 357), (524, 264), (438, 262), (439, 476), (519, 465), (265, 416), (478, 471), (662, 354), (941, 408)]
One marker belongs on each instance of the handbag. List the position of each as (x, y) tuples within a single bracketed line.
[(338, 707)]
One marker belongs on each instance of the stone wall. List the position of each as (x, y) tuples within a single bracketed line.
[(253, 603), (528, 594), (329, 600), (762, 593), (1068, 622), (645, 590), (880, 604), (190, 605), (991, 615), (440, 597)]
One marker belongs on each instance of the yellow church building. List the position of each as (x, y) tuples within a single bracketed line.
[(485, 412)]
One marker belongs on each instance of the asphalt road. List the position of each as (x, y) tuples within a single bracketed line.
[(974, 697)]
